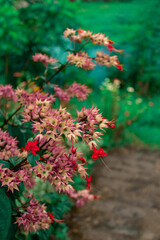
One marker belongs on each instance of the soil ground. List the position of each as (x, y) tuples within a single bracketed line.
[(129, 206)]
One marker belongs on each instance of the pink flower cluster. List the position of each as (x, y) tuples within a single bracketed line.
[(75, 90), (35, 104), (7, 92), (107, 60), (35, 217), (60, 165), (78, 90), (82, 197), (90, 119), (26, 98), (8, 146), (38, 105), (43, 58), (12, 179), (61, 94), (88, 36), (80, 35), (81, 59)]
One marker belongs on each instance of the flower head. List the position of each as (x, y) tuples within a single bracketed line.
[(35, 217), (51, 216), (88, 179), (32, 147), (39, 57), (98, 153)]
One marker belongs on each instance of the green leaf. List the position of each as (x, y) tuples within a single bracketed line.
[(44, 234), (32, 159), (20, 191), (6, 164), (5, 214), (14, 160)]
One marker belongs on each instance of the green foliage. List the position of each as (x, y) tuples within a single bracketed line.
[(32, 159), (135, 26), (137, 118), (10, 32), (22, 134), (5, 213), (28, 27), (14, 160), (5, 163)]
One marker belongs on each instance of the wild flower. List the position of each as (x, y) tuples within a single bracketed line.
[(53, 155), (82, 197), (81, 59), (43, 58), (98, 153), (88, 179), (35, 217), (8, 146), (32, 147), (7, 93)]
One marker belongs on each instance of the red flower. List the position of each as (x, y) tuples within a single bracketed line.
[(98, 153), (120, 67), (53, 219), (110, 41), (111, 125), (51, 216), (83, 160), (32, 147), (74, 165), (80, 31), (88, 179), (96, 197), (73, 150)]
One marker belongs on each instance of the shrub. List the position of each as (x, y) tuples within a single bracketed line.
[(40, 142)]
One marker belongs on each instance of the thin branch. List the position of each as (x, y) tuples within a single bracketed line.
[(59, 70), (7, 120), (105, 164), (19, 165)]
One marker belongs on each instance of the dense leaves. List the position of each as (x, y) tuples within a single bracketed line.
[(27, 27), (5, 213)]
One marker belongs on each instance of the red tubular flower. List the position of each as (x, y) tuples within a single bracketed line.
[(88, 179), (51, 216), (120, 67), (74, 165), (111, 125), (83, 160), (53, 219), (110, 41), (32, 147), (96, 197), (80, 31), (110, 47), (73, 150), (98, 153)]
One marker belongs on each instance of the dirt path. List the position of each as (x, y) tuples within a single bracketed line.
[(129, 207)]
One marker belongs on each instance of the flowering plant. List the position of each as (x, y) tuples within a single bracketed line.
[(50, 152)]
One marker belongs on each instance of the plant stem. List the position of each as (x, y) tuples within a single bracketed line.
[(59, 70), (105, 164), (7, 120), (19, 165)]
